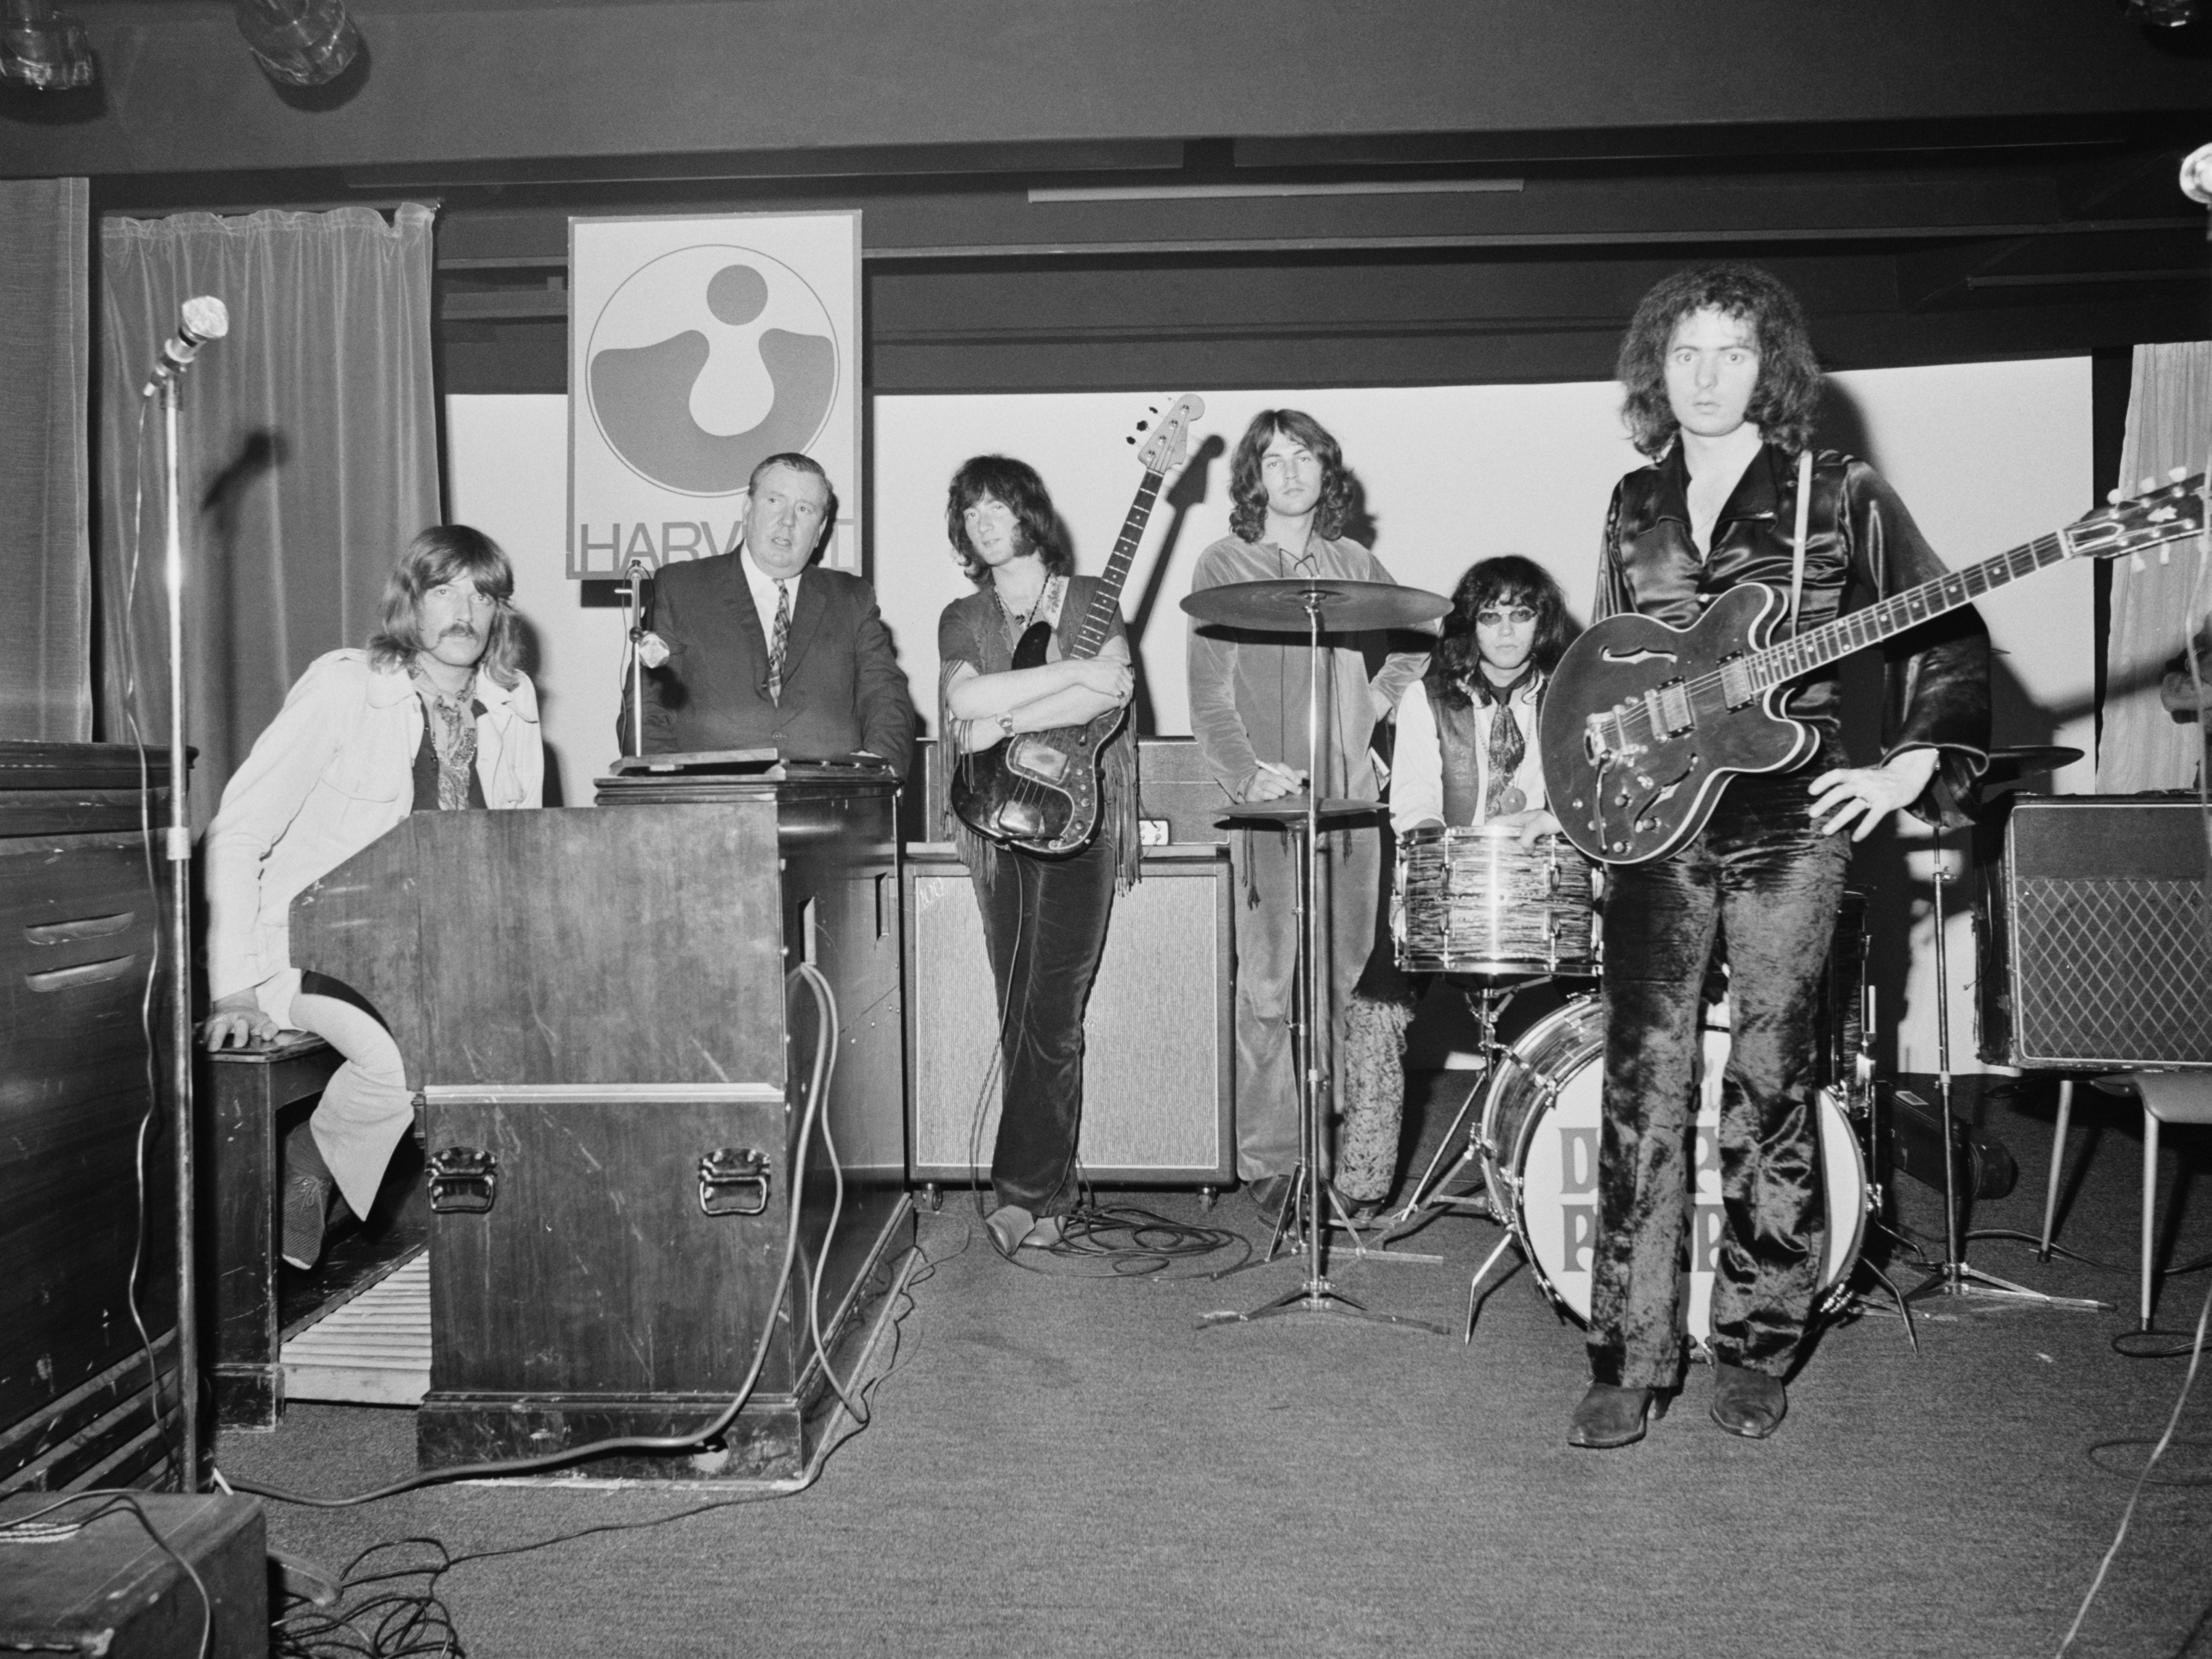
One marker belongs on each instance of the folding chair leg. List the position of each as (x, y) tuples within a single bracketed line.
[(2057, 1163), (2149, 1206)]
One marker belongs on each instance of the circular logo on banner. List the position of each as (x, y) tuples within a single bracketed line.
[(706, 361)]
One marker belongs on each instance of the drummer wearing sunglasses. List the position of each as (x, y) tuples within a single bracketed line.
[(1465, 750), (1465, 755)]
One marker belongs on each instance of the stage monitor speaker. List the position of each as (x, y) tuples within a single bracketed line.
[(2092, 936), (1159, 1036)]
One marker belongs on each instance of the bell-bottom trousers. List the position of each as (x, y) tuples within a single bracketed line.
[(1763, 874), (1044, 925)]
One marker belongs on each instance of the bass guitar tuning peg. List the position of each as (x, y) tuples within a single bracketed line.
[(2136, 564), (2177, 475), (2113, 497)]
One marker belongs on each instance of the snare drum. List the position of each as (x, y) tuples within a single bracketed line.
[(1540, 1151), (1482, 901)]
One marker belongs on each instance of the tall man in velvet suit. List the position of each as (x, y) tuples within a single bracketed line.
[(763, 651)]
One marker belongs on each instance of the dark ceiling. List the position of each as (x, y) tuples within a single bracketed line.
[(1425, 193)]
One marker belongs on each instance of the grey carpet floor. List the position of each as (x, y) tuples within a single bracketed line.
[(1061, 1463)]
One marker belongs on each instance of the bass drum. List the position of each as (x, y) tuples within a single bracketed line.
[(1540, 1150)]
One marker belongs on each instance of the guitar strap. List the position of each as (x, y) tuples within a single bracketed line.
[(1804, 514)]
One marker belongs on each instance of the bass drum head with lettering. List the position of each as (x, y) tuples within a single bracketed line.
[(1540, 1131)]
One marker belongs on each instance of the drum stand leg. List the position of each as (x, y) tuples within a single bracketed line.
[(1490, 1004), (1954, 1277), (1474, 1303), (1316, 1295)]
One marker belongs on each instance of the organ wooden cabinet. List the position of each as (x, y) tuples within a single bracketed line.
[(603, 1010)]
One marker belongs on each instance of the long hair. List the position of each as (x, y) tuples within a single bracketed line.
[(1248, 491), (445, 553), (1788, 391), (1036, 526), (1508, 579)]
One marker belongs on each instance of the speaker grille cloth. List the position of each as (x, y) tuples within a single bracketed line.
[(2113, 971)]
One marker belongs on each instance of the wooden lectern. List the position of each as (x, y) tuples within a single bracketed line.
[(598, 1007)]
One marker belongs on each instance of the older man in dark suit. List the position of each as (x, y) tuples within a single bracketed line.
[(764, 651)]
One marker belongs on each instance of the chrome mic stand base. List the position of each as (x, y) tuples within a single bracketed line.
[(1954, 1278), (1316, 1295)]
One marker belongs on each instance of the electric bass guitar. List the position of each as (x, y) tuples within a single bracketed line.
[(1039, 791), (1644, 724)]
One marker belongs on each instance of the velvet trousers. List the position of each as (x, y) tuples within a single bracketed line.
[(1044, 926), (1763, 876), (1264, 866)]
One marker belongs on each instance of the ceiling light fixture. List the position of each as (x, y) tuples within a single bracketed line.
[(2164, 14), (301, 43), (42, 49)]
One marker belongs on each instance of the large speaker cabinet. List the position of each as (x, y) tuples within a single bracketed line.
[(1159, 1036), (80, 920), (2093, 936)]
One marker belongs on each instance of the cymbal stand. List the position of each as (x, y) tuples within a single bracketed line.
[(1955, 1277), (1315, 1295)]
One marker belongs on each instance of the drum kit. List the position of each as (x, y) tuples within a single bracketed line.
[(1496, 915)]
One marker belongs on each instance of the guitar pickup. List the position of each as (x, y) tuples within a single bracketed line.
[(1041, 759), (1668, 709)]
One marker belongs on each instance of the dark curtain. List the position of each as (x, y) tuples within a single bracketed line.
[(310, 457), (45, 564)]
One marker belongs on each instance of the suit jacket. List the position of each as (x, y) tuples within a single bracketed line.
[(842, 686)]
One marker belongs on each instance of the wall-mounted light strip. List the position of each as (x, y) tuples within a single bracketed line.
[(1225, 193)]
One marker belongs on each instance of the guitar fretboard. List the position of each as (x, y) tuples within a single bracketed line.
[(1098, 618), (1832, 641)]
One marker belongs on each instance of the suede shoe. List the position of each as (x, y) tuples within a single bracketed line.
[(1612, 1416), (1748, 1402)]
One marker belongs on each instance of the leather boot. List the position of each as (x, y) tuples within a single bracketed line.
[(1610, 1416), (1748, 1402)]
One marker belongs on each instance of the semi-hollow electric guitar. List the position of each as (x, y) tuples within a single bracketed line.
[(1644, 724), (1039, 790)]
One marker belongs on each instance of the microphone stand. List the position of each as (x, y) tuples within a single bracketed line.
[(177, 850), (636, 572)]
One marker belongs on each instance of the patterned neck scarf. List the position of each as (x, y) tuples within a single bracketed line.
[(453, 724), (1508, 743)]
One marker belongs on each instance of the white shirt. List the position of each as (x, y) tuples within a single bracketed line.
[(1417, 773), (764, 588)]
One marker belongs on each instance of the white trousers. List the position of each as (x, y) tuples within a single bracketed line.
[(366, 1106)]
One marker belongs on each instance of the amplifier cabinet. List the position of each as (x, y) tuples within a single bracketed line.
[(1159, 1043), (2092, 936), (79, 923)]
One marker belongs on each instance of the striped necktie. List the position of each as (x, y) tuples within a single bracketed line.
[(782, 639)]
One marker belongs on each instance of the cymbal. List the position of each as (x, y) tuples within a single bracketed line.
[(1281, 607), (2026, 760), (1288, 809)]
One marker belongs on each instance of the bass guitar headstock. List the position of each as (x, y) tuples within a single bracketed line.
[(1163, 450), (2156, 518)]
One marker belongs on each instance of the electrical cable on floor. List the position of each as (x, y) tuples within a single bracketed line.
[(34, 1529), (2158, 1450), (671, 1442), (416, 1620)]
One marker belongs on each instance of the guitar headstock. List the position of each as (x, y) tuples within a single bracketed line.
[(2153, 519), (1163, 450)]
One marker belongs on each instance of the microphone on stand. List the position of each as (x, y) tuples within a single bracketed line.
[(203, 319)]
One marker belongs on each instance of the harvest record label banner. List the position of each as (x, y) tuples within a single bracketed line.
[(696, 348)]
